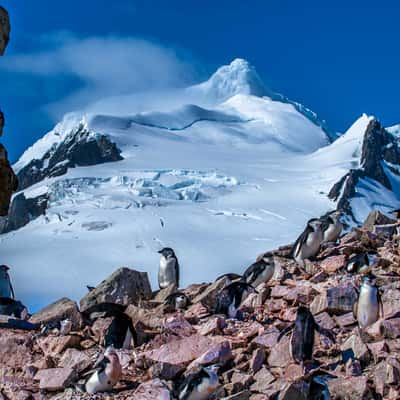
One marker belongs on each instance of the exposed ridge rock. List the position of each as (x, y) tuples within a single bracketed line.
[(380, 150), (5, 29), (80, 148)]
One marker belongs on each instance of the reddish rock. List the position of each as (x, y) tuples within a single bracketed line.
[(353, 368), (354, 347), (295, 391), (280, 354), (337, 300), (345, 320), (55, 345), (262, 380), (55, 379), (213, 326), (325, 321), (219, 353), (178, 326), (152, 390), (75, 359), (124, 286), (58, 311), (351, 388), (391, 328), (332, 264), (386, 373), (196, 312), (268, 339)]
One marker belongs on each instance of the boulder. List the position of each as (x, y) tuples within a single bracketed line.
[(280, 354), (262, 378), (125, 286), (208, 297), (54, 346), (152, 390), (55, 379), (295, 391), (58, 311), (354, 347), (75, 359), (332, 264), (219, 353), (336, 300), (8, 183), (349, 388)]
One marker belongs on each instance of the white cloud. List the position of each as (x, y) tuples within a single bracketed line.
[(106, 67)]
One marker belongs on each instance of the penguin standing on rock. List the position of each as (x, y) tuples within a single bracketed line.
[(369, 305), (359, 263), (260, 272), (200, 385), (6, 289), (309, 242), (231, 296), (332, 226), (107, 373), (303, 333), (168, 272)]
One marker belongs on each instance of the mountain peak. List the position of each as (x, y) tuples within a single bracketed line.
[(239, 77)]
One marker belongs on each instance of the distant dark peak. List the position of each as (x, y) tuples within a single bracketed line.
[(80, 148), (380, 151)]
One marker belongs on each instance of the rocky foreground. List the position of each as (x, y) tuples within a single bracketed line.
[(46, 363)]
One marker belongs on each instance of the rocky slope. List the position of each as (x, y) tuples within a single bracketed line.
[(255, 365)]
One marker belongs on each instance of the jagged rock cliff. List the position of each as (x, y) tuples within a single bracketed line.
[(8, 180), (4, 29), (379, 163), (79, 148)]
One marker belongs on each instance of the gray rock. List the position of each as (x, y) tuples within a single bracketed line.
[(4, 29), (125, 286)]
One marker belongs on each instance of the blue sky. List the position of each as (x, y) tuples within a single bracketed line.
[(338, 58)]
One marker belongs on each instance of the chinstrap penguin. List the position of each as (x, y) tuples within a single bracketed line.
[(168, 272), (231, 296), (230, 276), (108, 372), (6, 289), (303, 333), (177, 301), (332, 226), (260, 272), (309, 242), (200, 385), (368, 307)]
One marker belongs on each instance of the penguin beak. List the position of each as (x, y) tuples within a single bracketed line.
[(159, 251)]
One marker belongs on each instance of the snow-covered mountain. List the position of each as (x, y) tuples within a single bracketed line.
[(229, 171)]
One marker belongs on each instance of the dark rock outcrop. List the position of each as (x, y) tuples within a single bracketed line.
[(8, 182), (80, 148), (4, 29), (23, 210), (380, 150)]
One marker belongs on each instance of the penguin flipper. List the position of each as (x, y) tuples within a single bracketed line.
[(381, 313), (355, 306), (177, 273), (300, 241), (325, 332), (285, 331)]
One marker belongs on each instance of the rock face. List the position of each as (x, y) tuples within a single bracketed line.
[(79, 148), (380, 151), (8, 182), (4, 29), (24, 210), (125, 286)]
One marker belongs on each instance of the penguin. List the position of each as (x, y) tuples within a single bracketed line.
[(168, 272), (177, 301), (200, 385), (107, 373), (121, 331), (309, 242), (332, 226), (368, 307), (6, 289), (231, 296), (359, 263), (65, 327), (260, 272), (303, 333)]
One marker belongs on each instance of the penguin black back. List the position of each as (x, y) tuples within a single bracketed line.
[(302, 341), (232, 295)]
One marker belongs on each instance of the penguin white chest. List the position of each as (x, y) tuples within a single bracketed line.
[(166, 273), (333, 232), (98, 382), (368, 306), (204, 390)]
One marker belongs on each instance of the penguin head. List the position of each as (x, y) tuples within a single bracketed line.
[(4, 268), (315, 224), (181, 301), (213, 368), (167, 252), (303, 313), (335, 215)]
